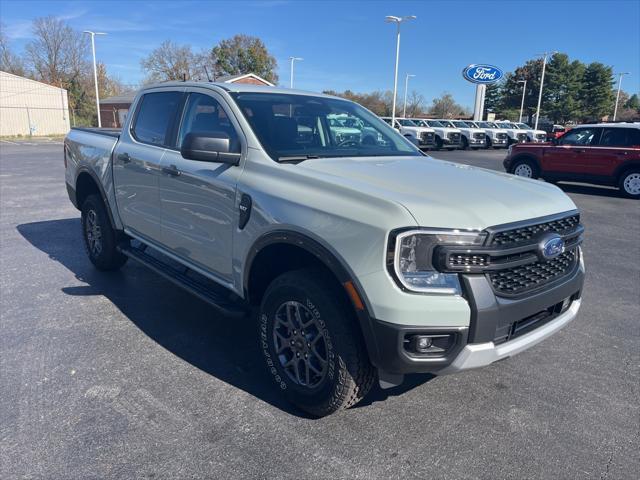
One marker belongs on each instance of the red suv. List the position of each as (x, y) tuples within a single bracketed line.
[(605, 154)]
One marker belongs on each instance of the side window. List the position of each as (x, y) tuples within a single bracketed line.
[(579, 136), (633, 138), (204, 115), (614, 137), (155, 116)]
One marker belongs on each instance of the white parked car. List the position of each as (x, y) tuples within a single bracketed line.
[(446, 137), (472, 137), (516, 135), (537, 136), (423, 137), (496, 137)]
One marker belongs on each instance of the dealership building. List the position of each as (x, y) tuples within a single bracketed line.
[(31, 108)]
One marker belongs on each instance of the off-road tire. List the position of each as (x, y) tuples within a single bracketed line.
[(106, 257), (348, 373), (465, 143)]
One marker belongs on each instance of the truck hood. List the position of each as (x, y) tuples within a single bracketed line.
[(443, 194), (419, 129)]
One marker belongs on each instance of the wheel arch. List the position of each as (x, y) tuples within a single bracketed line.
[(87, 183), (624, 168), (267, 252), (526, 156)]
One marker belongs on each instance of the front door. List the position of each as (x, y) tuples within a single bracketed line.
[(198, 197), (137, 159), (569, 155)]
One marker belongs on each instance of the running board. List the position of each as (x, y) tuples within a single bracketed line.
[(198, 285)]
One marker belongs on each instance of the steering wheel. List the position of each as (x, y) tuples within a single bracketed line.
[(348, 143)]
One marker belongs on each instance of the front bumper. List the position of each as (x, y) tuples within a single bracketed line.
[(451, 143), (493, 319), (477, 142), (500, 142)]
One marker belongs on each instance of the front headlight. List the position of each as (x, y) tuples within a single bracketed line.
[(413, 254)]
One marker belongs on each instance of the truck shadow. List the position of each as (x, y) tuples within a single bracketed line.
[(181, 323)]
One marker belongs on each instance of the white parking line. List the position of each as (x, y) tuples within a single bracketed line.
[(7, 141)]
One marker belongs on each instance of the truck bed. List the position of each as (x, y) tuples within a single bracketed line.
[(111, 132)]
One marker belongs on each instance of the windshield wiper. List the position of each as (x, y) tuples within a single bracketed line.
[(296, 158)]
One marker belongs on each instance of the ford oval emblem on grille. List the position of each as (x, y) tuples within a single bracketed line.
[(551, 246)]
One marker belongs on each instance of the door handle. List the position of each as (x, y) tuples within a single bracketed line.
[(171, 170), (124, 157), (623, 152), (580, 151)]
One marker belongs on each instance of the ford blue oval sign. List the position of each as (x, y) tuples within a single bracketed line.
[(482, 73)]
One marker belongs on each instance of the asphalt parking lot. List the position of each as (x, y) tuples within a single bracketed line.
[(124, 375)]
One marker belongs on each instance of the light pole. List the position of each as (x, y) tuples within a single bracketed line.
[(95, 70), (615, 110), (397, 21), (524, 90), (544, 66), (293, 59), (406, 87)]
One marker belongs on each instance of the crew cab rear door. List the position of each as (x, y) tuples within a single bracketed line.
[(198, 197), (617, 146), (137, 158)]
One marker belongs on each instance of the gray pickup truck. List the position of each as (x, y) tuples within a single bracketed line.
[(358, 260)]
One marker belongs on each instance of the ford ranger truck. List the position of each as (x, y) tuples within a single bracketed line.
[(423, 137), (357, 262), (446, 137), (496, 137), (472, 137)]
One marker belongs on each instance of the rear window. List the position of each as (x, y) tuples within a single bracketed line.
[(155, 117)]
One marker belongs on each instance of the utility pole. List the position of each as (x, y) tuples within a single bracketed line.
[(615, 110), (293, 59), (544, 56), (406, 88), (397, 21), (95, 70), (524, 90)]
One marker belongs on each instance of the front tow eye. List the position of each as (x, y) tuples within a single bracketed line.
[(245, 210)]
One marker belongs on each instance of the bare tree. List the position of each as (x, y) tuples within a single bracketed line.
[(9, 62), (446, 107), (171, 61), (58, 53), (415, 104)]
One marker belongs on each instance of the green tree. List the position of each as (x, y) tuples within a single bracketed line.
[(633, 102), (243, 54), (562, 88), (512, 90), (596, 95), (493, 97)]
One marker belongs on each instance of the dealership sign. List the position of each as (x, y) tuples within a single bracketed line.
[(482, 73)]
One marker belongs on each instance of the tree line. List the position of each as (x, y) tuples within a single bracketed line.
[(59, 55), (572, 92)]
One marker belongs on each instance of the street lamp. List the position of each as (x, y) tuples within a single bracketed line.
[(293, 59), (524, 90), (615, 110), (95, 70), (544, 66), (406, 87), (397, 21)]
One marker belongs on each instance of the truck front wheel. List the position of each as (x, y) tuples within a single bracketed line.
[(523, 167), (311, 343), (100, 239)]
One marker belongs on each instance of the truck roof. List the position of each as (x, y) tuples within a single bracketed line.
[(237, 87)]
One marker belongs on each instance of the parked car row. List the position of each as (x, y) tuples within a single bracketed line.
[(429, 133)]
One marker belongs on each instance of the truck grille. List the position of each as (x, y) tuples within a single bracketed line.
[(514, 281), (501, 136), (427, 137), (522, 234), (541, 136), (454, 137), (478, 135), (522, 137), (512, 257)]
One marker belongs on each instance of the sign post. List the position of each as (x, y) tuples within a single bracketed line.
[(482, 75)]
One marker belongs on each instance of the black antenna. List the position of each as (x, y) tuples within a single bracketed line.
[(207, 72)]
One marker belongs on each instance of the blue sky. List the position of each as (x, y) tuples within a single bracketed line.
[(347, 45)]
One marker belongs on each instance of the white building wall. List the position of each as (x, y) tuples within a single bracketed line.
[(28, 107)]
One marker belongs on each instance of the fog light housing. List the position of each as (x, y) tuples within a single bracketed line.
[(429, 345)]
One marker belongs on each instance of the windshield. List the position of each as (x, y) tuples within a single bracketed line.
[(507, 125), (433, 123), (461, 124), (407, 123), (296, 127), (523, 126), (486, 125), (446, 123)]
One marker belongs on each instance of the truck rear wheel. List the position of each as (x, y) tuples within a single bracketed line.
[(311, 343), (100, 239)]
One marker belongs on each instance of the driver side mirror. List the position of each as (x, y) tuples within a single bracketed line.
[(209, 147)]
